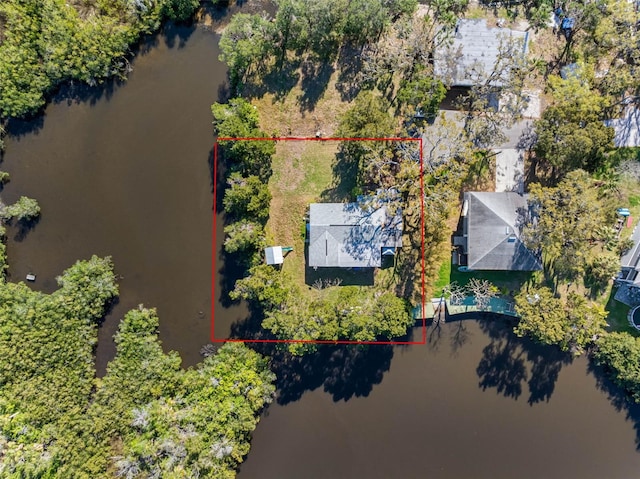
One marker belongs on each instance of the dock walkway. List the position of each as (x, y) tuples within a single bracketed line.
[(467, 305)]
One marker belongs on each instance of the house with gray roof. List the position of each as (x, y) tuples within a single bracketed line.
[(353, 235), (630, 262), (474, 51), (491, 232)]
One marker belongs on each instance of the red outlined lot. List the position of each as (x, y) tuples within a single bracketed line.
[(214, 252)]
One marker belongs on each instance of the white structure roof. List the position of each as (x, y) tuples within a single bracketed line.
[(274, 255)]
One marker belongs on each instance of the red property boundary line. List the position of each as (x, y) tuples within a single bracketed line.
[(313, 341)]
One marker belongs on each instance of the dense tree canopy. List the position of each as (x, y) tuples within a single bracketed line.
[(619, 353), (245, 43), (146, 418), (239, 119), (46, 42), (570, 132), (572, 323), (321, 27), (567, 220), (247, 198), (337, 312), (246, 237), (25, 209)]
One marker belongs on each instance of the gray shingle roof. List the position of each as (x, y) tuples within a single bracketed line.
[(347, 235), (473, 45), (492, 225), (631, 258)]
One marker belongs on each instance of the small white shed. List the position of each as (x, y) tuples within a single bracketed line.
[(274, 255)]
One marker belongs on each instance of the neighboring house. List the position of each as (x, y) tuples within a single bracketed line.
[(491, 232), (630, 262), (626, 129), (352, 235), (475, 46)]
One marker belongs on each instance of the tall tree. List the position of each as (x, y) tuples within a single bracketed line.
[(247, 198), (239, 119), (570, 132), (570, 324), (244, 44), (619, 353), (565, 221)]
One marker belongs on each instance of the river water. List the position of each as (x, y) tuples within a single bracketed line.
[(125, 170)]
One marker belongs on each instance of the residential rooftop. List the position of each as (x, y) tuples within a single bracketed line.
[(352, 235), (492, 228), (475, 46)]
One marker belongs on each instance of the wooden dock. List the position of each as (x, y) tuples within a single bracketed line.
[(440, 305)]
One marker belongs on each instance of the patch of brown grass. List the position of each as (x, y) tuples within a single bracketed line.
[(302, 170), (290, 115)]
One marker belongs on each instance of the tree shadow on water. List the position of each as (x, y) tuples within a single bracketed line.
[(177, 34), (79, 92), (23, 228), (17, 128), (344, 371), (502, 367), (620, 400), (508, 362)]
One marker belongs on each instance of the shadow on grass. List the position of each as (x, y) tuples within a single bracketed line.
[(349, 64), (276, 80), (322, 277), (617, 317), (315, 78), (345, 173)]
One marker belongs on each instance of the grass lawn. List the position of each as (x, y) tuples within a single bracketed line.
[(302, 170), (444, 278), (509, 282), (617, 318), (311, 102)]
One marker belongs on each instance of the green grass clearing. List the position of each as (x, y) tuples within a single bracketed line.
[(508, 282), (302, 170)]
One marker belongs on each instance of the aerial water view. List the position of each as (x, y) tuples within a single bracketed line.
[(320, 239)]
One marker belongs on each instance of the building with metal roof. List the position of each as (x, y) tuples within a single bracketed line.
[(626, 129), (352, 235), (491, 232), (474, 51)]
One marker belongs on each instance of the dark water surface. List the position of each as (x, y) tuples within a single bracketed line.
[(125, 171), (476, 402)]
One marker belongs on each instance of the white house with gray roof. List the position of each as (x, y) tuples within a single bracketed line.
[(352, 235), (491, 232)]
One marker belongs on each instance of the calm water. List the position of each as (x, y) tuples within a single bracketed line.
[(475, 403), (125, 171)]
